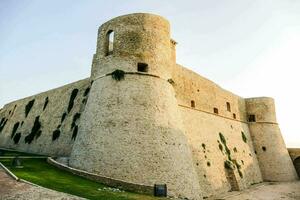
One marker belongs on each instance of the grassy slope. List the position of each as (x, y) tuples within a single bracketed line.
[(38, 171)]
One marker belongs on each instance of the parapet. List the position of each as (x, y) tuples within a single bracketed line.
[(261, 109)]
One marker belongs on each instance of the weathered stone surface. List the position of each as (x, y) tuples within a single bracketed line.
[(159, 124)]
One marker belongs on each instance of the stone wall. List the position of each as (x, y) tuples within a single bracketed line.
[(46, 123), (210, 153)]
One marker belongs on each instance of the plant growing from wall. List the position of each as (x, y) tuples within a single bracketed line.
[(28, 107), (171, 81), (75, 131), (17, 138), (55, 134), (72, 98), (35, 131), (75, 118), (203, 146), (14, 130), (46, 103), (86, 91), (208, 163), (2, 124), (244, 137), (228, 165), (118, 75), (63, 117)]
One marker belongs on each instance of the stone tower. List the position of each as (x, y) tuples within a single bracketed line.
[(131, 129), (274, 160)]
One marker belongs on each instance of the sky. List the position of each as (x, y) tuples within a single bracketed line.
[(250, 47)]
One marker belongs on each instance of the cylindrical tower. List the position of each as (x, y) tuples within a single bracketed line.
[(131, 128), (274, 160)]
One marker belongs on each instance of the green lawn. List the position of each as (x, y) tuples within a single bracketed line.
[(38, 171)]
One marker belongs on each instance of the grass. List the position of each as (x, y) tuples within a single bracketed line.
[(38, 171)]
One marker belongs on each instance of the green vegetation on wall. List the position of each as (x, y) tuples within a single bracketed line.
[(35, 131), (55, 134), (28, 107), (17, 138), (14, 130), (46, 103), (63, 117), (75, 131), (244, 137), (3, 123), (72, 98)]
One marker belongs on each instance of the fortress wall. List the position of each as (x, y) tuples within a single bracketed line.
[(203, 130), (43, 119), (131, 128), (274, 160), (206, 94)]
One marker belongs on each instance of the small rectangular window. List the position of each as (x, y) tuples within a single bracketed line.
[(193, 104), (234, 116), (228, 106), (142, 67), (216, 111), (251, 118)]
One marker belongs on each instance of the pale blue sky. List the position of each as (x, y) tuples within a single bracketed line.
[(250, 47)]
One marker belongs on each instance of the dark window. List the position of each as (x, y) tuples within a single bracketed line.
[(216, 111), (264, 148), (110, 42), (142, 67), (228, 106), (193, 104), (234, 116), (251, 118)]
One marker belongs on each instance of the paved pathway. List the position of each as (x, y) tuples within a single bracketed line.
[(11, 189)]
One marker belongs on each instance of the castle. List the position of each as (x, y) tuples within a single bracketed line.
[(144, 119)]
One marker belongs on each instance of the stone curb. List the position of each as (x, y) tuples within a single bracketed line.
[(9, 172), (127, 186)]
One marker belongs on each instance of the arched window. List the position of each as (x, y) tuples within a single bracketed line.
[(109, 42)]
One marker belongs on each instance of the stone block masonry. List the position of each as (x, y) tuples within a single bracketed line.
[(142, 119)]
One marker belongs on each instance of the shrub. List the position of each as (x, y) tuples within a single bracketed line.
[(118, 75)]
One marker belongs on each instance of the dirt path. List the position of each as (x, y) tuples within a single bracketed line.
[(268, 191), (14, 190)]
